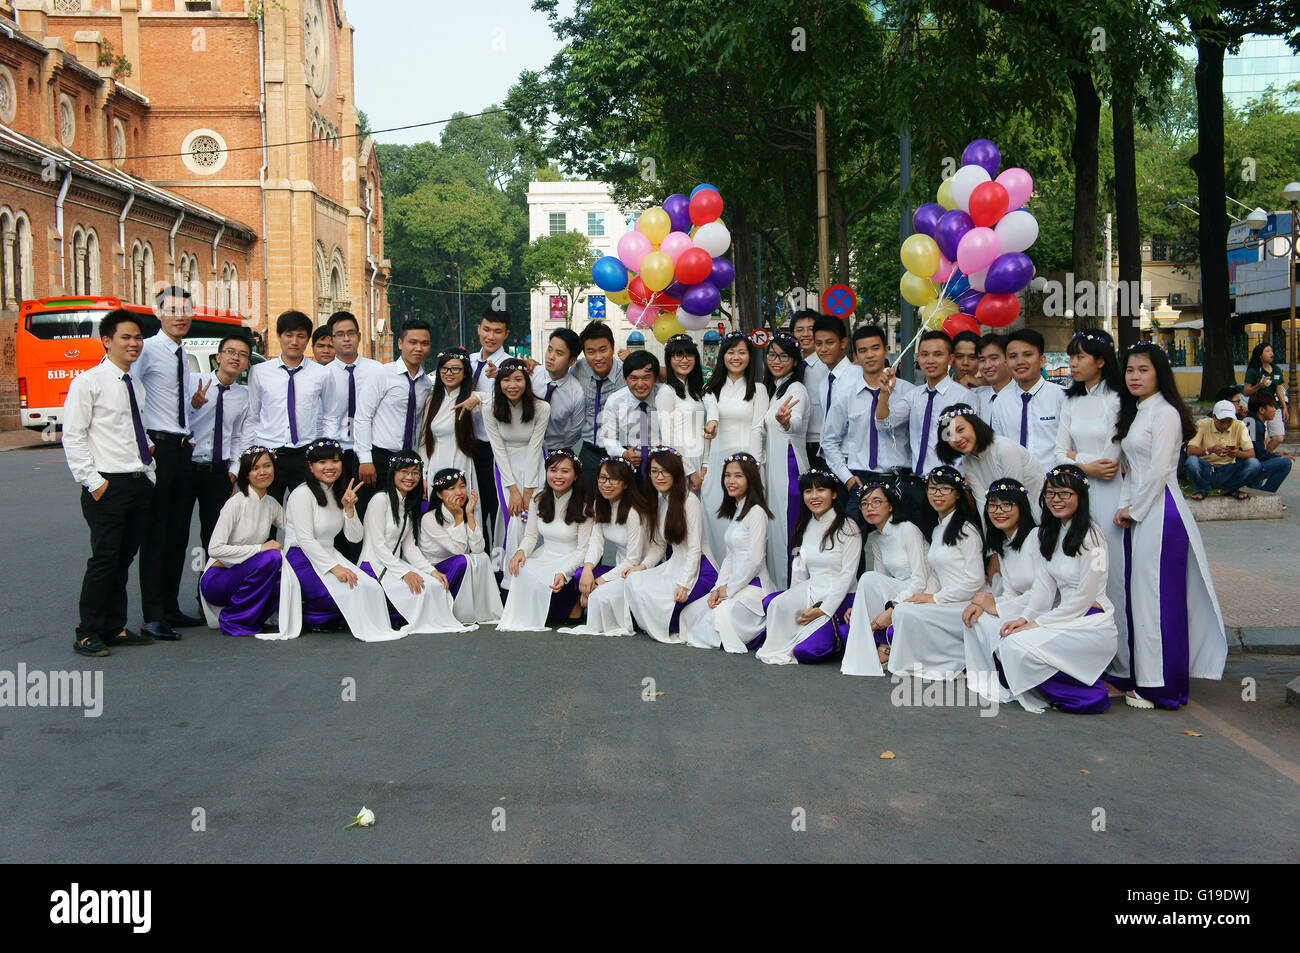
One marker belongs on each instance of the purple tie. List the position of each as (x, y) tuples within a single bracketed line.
[(180, 387), (410, 415), (352, 392), (1024, 419), (140, 440), (550, 389), (925, 433), (218, 425), (293, 405), (645, 436), (830, 386), (875, 438), (595, 423), (479, 370)]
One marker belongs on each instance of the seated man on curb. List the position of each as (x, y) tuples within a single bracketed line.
[(1273, 467), (1221, 455)]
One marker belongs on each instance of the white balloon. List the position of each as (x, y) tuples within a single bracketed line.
[(964, 182), (1016, 231), (693, 322), (713, 238), (976, 279)]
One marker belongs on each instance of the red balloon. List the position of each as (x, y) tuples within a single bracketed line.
[(706, 206), (637, 291), (954, 324), (997, 311), (695, 264), (664, 303), (988, 203)]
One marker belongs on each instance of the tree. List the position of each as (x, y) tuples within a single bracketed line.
[(562, 262)]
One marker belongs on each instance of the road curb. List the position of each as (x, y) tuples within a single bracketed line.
[(1283, 641), (1293, 693)]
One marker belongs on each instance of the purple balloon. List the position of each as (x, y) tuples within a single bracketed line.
[(676, 290), (1009, 273), (925, 218), (702, 299), (969, 300), (983, 153), (948, 233), (722, 276), (678, 208)]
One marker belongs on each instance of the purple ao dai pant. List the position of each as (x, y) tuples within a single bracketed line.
[(318, 606), (394, 617), (1068, 694), (248, 593), (826, 641), (705, 584)]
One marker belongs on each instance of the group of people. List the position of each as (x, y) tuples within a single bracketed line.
[(1030, 538)]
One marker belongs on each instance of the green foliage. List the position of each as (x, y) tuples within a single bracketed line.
[(560, 262), (108, 57)]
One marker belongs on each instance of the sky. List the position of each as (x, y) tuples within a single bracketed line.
[(422, 60)]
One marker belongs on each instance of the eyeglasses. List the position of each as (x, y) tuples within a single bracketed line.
[(602, 478), (233, 352), (346, 334), (774, 356), (1057, 496), (940, 488), (1003, 506), (658, 472)]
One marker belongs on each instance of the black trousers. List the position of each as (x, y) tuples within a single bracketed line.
[(815, 459), (351, 471), (117, 522), (590, 456), (212, 486), (164, 550), (290, 471), (487, 486)]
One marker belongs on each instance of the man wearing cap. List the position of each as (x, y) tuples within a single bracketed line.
[(1221, 456)]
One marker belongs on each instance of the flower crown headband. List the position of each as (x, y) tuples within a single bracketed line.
[(1095, 334), (680, 339), (459, 352), (323, 443), (740, 457), (1006, 485), (948, 473), (948, 416), (511, 364), (1068, 469), (824, 473), (562, 454), (447, 480), (660, 448), (789, 340), (400, 461), (255, 451), (733, 336)]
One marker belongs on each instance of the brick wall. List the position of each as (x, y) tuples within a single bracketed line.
[(8, 377)]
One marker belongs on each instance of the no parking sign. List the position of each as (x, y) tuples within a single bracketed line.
[(760, 337), (839, 300)]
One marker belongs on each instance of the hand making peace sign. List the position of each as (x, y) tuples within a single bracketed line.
[(350, 499), (783, 412), (200, 396)]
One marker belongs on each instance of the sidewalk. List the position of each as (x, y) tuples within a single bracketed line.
[(24, 439)]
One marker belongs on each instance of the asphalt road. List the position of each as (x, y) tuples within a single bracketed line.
[(548, 736)]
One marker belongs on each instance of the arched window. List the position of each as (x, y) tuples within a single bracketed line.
[(78, 261), (23, 276), (146, 276), (229, 288), (92, 262), (136, 276)]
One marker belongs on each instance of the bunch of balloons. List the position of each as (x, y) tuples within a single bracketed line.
[(669, 273), (966, 257)]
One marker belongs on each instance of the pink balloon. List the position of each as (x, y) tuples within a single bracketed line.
[(1019, 185), (632, 247), (944, 271), (641, 316), (977, 249), (976, 279), (675, 244)]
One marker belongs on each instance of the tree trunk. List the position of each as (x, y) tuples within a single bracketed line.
[(1216, 361), (841, 225), (1083, 152), (745, 290), (1126, 217)]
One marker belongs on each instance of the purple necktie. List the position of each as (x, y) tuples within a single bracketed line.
[(141, 441), (925, 433), (293, 405), (1024, 419), (479, 370), (180, 387), (875, 438), (218, 425), (550, 389), (645, 435), (352, 392), (830, 386), (595, 423), (410, 415)]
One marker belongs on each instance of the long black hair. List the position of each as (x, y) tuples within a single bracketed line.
[(888, 489), (719, 376), (444, 479), (411, 503), (788, 345), (1164, 384), (464, 427), (317, 451), (965, 512), (501, 403), (983, 432), (576, 509), (754, 495), (1101, 345), (692, 387), (629, 501), (1065, 477), (247, 460), (1012, 491), (675, 517), (823, 479), (1257, 356)]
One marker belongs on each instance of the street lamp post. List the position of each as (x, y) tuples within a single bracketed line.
[(1292, 194)]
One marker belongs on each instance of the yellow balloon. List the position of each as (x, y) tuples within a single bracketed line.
[(619, 298), (932, 314), (655, 224), (920, 255), (657, 271), (666, 326), (916, 290), (945, 195)]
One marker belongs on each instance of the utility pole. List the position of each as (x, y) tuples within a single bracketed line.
[(823, 207), (1106, 324), (758, 246), (905, 311), (460, 306)]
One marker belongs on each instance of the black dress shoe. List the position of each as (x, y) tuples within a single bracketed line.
[(127, 637), (183, 621), (160, 631), (89, 645)]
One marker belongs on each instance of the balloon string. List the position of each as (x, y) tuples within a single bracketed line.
[(919, 332)]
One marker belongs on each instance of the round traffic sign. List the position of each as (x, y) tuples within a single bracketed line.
[(759, 337), (839, 300)]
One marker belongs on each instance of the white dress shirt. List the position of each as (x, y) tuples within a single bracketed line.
[(845, 372), (592, 385), (1041, 414), (267, 422), (203, 421), (847, 430), (484, 384), (383, 407), (564, 431), (244, 527), (814, 375), (365, 371), (164, 402), (921, 438), (987, 398), (621, 420), (98, 433)]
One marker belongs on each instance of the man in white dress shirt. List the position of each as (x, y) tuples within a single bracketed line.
[(108, 453), (631, 421), (349, 374), (218, 407), (1030, 411), (390, 405), (493, 329), (164, 370), (965, 360), (289, 404), (991, 355), (831, 340), (600, 373), (814, 372), (858, 441), (553, 383), (925, 402)]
